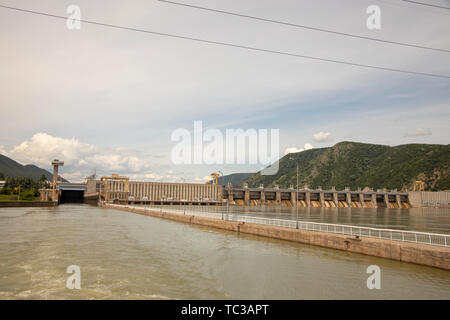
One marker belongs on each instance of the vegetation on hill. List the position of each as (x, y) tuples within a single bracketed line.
[(24, 189), (357, 165), (235, 179), (11, 168)]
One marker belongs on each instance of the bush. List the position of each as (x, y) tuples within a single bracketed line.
[(27, 195), (35, 192), (5, 191)]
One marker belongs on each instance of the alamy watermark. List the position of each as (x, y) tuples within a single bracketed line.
[(74, 281), (74, 20), (374, 280), (237, 146), (373, 22)]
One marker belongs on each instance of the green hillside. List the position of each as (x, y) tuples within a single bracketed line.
[(235, 179), (11, 168), (352, 164)]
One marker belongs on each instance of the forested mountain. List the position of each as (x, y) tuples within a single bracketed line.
[(11, 168), (353, 164)]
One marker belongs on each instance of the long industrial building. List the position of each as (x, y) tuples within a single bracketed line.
[(121, 190), (134, 191)]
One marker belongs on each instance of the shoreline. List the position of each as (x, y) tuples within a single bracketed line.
[(422, 254), (18, 204)]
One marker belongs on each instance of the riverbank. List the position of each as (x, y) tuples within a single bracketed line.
[(15, 204), (423, 254)]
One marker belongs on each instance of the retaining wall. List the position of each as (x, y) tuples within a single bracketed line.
[(402, 251), (28, 204)]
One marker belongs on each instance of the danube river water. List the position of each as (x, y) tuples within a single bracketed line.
[(123, 255)]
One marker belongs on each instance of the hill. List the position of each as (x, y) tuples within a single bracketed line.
[(11, 168), (235, 179), (352, 164)]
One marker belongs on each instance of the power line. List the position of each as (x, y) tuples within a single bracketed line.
[(304, 26), (229, 44), (400, 3), (427, 4)]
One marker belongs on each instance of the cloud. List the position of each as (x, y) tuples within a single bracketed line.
[(307, 146), (146, 177), (80, 159), (204, 179), (419, 133), (42, 148), (178, 80), (322, 136)]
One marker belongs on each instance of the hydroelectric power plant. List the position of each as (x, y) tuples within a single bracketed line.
[(215, 205), (119, 189)]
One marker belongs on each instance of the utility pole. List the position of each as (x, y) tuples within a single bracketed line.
[(296, 197), (296, 201), (228, 200), (183, 201), (228, 197)]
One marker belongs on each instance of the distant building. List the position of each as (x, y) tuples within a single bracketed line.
[(2, 184)]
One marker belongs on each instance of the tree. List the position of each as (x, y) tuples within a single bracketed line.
[(2, 176)]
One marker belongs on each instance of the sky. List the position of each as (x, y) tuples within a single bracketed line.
[(107, 100)]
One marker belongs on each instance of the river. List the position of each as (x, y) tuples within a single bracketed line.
[(123, 255)]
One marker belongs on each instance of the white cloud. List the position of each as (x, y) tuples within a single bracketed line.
[(178, 80), (204, 179), (322, 136), (149, 176), (307, 146), (418, 133), (292, 150), (42, 148), (80, 159)]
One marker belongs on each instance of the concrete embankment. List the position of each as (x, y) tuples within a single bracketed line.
[(433, 256), (13, 204)]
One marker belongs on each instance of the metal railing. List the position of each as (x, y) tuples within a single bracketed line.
[(433, 239)]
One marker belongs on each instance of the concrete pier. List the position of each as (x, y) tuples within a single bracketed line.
[(423, 254), (318, 198)]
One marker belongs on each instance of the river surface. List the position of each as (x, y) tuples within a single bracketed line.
[(123, 255)]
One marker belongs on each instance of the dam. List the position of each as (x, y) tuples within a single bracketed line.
[(185, 202), (119, 190), (316, 198)]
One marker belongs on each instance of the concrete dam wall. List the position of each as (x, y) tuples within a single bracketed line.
[(212, 194), (402, 251), (429, 199), (316, 198)]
